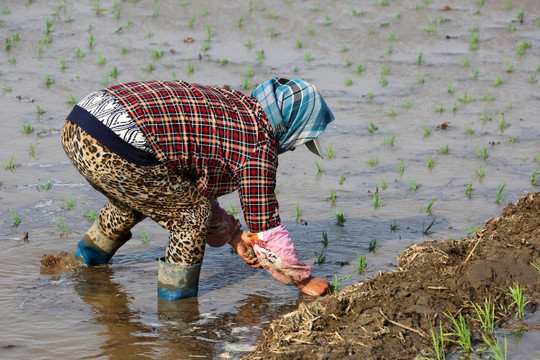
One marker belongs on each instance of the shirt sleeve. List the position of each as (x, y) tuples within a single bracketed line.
[(257, 183)]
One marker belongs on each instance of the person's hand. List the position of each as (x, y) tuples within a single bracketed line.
[(313, 286), (242, 244)]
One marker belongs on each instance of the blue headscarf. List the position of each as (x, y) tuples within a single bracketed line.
[(296, 110)]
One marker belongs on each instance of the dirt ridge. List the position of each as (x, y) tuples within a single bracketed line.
[(391, 314)]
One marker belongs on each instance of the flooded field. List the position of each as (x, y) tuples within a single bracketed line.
[(437, 128)]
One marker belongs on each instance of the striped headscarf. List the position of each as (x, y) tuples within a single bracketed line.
[(296, 110)]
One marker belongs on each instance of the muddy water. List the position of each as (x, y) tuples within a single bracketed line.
[(112, 312)]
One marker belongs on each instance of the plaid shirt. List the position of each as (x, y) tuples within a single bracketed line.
[(221, 138)]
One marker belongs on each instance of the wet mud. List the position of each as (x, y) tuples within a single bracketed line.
[(391, 315)]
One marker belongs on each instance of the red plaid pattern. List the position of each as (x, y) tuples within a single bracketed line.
[(219, 137)]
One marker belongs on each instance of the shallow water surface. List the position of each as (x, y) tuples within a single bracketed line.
[(112, 311)]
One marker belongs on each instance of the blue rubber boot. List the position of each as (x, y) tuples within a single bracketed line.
[(177, 281), (97, 249)]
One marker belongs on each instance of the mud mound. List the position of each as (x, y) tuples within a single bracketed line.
[(57, 263), (390, 316)]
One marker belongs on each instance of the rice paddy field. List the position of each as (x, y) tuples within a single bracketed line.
[(437, 128)]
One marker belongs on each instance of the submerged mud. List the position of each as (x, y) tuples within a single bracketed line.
[(391, 315)]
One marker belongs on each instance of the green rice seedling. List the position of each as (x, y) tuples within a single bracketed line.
[(413, 185), (394, 226), (192, 22), (474, 42), (249, 43), (205, 46), (535, 178), (485, 315), (488, 97), (420, 80), (469, 190), (114, 72), (62, 225), (372, 127), (426, 130), (340, 218), (299, 44), (298, 215), (383, 184), (513, 139), (232, 210), (473, 230), (148, 34), (6, 89), (10, 164), (101, 60), (415, 7), (308, 57), (444, 149), (507, 5), (521, 45), (426, 229), (532, 79), (144, 236), (392, 112), (373, 162), (475, 73), (157, 53), (376, 202), (335, 283), (45, 186), (223, 62), (465, 98), (344, 48), (373, 245), (498, 80), (509, 66), (360, 267), (260, 56), (465, 62), (454, 107), (69, 203), (385, 70), (383, 82), (450, 89), (357, 12), (370, 95), (419, 59), (320, 168), (91, 41), (330, 152), (327, 20), (189, 68), (324, 239), (272, 32), (348, 81), (495, 348), (12, 60), (155, 11), (480, 174), (430, 30), (401, 166), (249, 72), (48, 26), (406, 104), (469, 130), (240, 22), (482, 153), (430, 205), (48, 80), (518, 299), (439, 109), (321, 257), (503, 124), (536, 265), (341, 179), (32, 151), (430, 162), (310, 31), (332, 197), (511, 27), (27, 129), (499, 197), (460, 331), (204, 12), (438, 344), (79, 53), (389, 141), (149, 67), (90, 215), (7, 44), (124, 50), (40, 47), (16, 220), (5, 10)]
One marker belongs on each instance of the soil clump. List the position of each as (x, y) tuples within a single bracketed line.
[(391, 315)]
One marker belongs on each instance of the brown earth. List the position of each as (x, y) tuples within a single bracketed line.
[(391, 315)]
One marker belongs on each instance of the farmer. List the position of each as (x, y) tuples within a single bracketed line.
[(167, 150)]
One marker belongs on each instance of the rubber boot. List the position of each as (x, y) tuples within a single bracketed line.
[(177, 281), (97, 249)]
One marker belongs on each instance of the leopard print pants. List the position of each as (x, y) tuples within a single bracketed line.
[(136, 192)]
